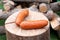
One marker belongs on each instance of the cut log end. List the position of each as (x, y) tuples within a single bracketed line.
[(43, 8), (55, 24)]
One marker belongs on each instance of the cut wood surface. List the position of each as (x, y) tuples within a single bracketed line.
[(58, 27), (13, 32), (55, 24), (43, 7)]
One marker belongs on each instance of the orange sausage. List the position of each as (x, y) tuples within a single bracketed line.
[(21, 16), (33, 24)]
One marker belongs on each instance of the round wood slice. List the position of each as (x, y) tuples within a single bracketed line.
[(13, 32), (43, 7)]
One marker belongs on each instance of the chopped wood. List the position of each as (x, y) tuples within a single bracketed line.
[(5, 14), (55, 6), (55, 24), (2, 30), (33, 8), (43, 7), (50, 15)]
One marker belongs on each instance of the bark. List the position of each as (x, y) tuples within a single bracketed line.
[(55, 6), (55, 23), (44, 36), (5, 15), (2, 29)]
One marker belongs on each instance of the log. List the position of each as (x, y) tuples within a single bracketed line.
[(55, 24), (58, 31), (8, 4), (50, 15), (5, 14), (55, 6), (45, 1), (2, 29), (33, 8), (13, 32), (43, 7)]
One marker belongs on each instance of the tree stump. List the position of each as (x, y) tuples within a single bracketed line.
[(13, 32)]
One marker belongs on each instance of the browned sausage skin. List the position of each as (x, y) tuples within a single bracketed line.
[(21, 16), (33, 24)]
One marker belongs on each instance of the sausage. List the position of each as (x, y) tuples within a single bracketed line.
[(21, 16), (37, 24)]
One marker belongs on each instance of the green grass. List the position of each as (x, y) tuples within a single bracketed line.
[(3, 37), (53, 34), (58, 0), (2, 22), (1, 5), (53, 37), (58, 13)]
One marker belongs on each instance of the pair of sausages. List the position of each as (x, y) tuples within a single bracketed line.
[(29, 24)]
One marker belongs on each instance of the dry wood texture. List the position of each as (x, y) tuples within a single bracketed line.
[(44, 36), (55, 23), (5, 14), (54, 6), (2, 29), (13, 32), (43, 7)]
